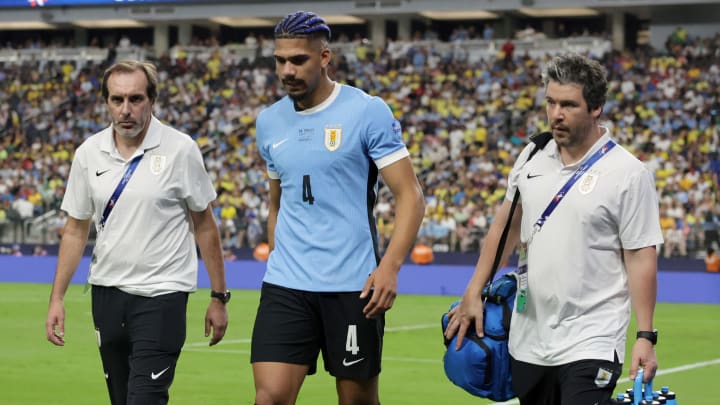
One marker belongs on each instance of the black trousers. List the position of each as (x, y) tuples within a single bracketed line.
[(585, 382), (140, 339)]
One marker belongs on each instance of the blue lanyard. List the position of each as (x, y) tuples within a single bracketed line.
[(578, 173), (119, 189)]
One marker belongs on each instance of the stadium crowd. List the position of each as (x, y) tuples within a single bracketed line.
[(463, 123)]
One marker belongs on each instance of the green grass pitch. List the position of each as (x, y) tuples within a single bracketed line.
[(32, 371)]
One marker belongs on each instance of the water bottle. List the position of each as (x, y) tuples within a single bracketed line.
[(621, 399), (657, 397), (638, 387), (669, 396), (649, 401), (630, 393), (648, 388), (643, 393)]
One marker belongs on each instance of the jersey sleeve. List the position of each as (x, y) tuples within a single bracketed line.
[(515, 171), (384, 134), (263, 146), (197, 185), (639, 213), (77, 201)]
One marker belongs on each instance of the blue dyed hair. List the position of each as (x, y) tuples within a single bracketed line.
[(302, 24)]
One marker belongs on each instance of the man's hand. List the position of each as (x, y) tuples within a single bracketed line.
[(55, 323), (383, 283), (462, 316), (216, 318), (643, 355)]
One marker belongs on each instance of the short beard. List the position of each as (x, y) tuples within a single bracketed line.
[(295, 97), (125, 133), (298, 96), (300, 101)]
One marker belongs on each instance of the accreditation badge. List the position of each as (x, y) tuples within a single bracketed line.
[(522, 273)]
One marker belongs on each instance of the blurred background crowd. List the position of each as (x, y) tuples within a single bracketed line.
[(464, 122)]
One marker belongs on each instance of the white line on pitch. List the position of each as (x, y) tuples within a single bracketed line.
[(203, 346), (239, 351), (683, 368), (390, 329), (412, 327)]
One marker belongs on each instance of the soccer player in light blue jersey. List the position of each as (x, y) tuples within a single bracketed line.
[(326, 288)]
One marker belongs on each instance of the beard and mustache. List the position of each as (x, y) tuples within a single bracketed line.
[(132, 132), (295, 89)]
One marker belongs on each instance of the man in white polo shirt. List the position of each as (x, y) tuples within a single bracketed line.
[(588, 221), (145, 187)]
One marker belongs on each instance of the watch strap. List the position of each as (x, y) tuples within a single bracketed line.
[(649, 335), (224, 297)]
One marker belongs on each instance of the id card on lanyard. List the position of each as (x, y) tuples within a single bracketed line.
[(522, 273), (523, 282)]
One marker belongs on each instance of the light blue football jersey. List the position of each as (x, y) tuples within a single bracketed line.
[(327, 160)]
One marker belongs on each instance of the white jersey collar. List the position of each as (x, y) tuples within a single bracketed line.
[(326, 103)]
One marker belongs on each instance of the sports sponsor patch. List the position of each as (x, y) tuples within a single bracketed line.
[(306, 134), (397, 129)]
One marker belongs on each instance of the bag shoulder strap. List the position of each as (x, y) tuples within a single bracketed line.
[(540, 140)]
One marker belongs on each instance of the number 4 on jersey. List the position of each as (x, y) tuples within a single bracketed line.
[(351, 343), (307, 190)]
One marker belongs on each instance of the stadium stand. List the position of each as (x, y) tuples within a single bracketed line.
[(465, 112)]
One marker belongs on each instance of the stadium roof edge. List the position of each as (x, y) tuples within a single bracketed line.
[(273, 9)]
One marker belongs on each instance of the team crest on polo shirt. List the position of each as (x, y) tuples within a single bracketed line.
[(157, 164), (333, 137), (587, 182), (603, 377)]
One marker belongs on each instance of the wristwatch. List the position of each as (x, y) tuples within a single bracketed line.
[(649, 335), (224, 297)]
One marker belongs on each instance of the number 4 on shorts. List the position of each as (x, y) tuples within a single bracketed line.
[(351, 344)]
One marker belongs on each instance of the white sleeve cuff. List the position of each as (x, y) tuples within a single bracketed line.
[(387, 160)]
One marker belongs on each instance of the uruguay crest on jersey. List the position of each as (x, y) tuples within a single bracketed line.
[(333, 137), (157, 164), (587, 182)]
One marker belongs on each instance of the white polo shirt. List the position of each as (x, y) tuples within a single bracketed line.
[(147, 246), (578, 297)]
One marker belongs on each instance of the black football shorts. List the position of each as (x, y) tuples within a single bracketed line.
[(294, 326)]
